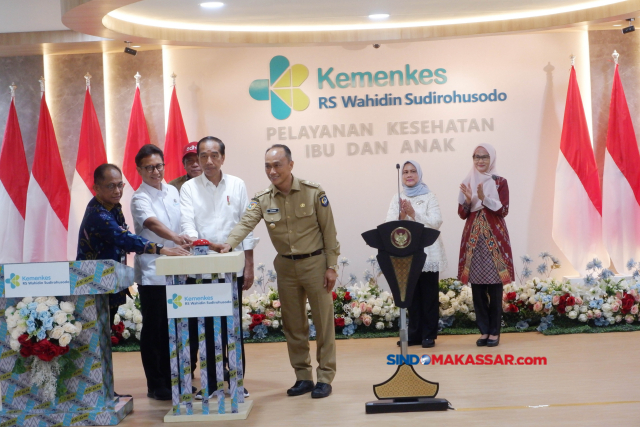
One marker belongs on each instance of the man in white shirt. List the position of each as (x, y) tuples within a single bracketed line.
[(155, 207), (211, 205)]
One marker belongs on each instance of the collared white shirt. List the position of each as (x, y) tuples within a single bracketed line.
[(211, 212), (164, 204)]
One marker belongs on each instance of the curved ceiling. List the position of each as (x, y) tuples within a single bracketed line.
[(306, 22)]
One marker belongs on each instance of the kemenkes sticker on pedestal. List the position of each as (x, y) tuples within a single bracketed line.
[(37, 279), (205, 300)]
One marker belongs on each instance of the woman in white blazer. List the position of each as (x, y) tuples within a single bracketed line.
[(419, 204)]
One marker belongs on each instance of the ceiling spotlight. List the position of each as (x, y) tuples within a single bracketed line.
[(617, 25), (630, 28), (212, 4), (379, 16), (129, 50), (135, 46)]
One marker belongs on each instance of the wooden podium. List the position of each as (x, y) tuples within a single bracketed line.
[(220, 266), (89, 399)]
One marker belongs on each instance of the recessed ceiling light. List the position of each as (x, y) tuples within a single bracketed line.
[(212, 4), (379, 16), (135, 46), (617, 25)]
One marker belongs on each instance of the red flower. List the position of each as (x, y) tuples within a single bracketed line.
[(561, 307), (256, 319), (62, 350), (627, 303), (119, 328), (26, 345), (339, 321), (335, 296), (571, 301), (511, 296), (114, 340), (26, 351), (513, 308), (347, 296), (45, 350)]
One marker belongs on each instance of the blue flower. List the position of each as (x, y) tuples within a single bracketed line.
[(526, 259), (555, 260), (597, 263), (121, 311), (43, 315), (259, 281), (590, 265), (445, 322), (631, 264), (246, 335), (601, 321), (31, 325), (367, 275), (349, 329), (522, 325), (589, 280), (542, 327), (344, 261), (526, 272), (312, 331), (42, 334), (542, 268), (271, 275), (32, 305), (261, 267), (24, 312), (546, 298), (352, 279), (606, 274), (593, 304), (636, 275), (548, 306), (545, 323), (544, 255), (54, 309), (260, 332), (47, 323)]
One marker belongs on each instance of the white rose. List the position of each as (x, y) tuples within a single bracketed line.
[(9, 310), (126, 334), (464, 309), (60, 317), (611, 320), (11, 323), (64, 340), (375, 310), (472, 316), (116, 319), (137, 318), (618, 318), (347, 321), (572, 314), (20, 305), (584, 309), (379, 302), (42, 307), (27, 300), (451, 294), (275, 324), (136, 312), (532, 301), (41, 300), (379, 325), (568, 308), (57, 332), (128, 314), (139, 327), (15, 334), (388, 317), (78, 326), (138, 336), (15, 345), (51, 301), (21, 328), (67, 307), (583, 318), (606, 307), (69, 328), (443, 299), (385, 295)]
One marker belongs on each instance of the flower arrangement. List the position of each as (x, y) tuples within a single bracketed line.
[(128, 321), (41, 330)]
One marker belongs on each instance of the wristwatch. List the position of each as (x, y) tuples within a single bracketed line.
[(334, 268), (159, 247)]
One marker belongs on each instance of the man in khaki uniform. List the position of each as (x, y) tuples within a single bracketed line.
[(301, 227)]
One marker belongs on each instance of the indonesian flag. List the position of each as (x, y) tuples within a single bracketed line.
[(137, 136), (621, 182), (91, 154), (47, 214), (14, 181), (577, 207), (175, 141)]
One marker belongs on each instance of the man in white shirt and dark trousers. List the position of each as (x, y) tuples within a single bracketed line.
[(155, 207), (211, 205)]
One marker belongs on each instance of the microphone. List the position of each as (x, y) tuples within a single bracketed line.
[(399, 199)]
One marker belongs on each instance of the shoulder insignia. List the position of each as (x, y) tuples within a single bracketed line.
[(323, 199), (260, 193), (310, 184), (252, 205)]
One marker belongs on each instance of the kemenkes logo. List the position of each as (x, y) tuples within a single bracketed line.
[(13, 280), (282, 87), (175, 300)]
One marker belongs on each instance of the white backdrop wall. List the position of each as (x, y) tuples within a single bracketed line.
[(532, 70)]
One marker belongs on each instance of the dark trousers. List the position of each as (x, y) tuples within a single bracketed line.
[(154, 337), (424, 309), (210, 342), (487, 302)]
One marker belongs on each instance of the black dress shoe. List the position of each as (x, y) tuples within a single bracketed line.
[(428, 343), (160, 394), (321, 390), (482, 342), (493, 343), (410, 343), (300, 387)]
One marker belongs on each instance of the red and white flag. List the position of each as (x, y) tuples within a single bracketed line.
[(47, 214), (577, 207), (14, 181), (621, 182), (175, 140), (91, 154), (137, 136)]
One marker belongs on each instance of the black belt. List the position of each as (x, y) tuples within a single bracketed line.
[(303, 256)]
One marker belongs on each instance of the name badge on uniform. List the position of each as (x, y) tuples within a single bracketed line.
[(273, 210), (252, 205), (324, 201)]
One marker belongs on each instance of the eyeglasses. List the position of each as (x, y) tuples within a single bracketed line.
[(478, 158), (150, 168), (111, 187)]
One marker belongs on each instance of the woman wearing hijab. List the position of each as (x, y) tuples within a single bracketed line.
[(419, 204), (485, 251)]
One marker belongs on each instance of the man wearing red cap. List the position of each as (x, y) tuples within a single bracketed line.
[(190, 163)]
